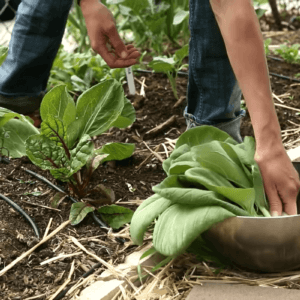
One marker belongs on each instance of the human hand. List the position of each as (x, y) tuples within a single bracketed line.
[(104, 37), (281, 180)]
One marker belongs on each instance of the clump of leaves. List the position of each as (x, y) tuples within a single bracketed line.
[(171, 66), (210, 177), (64, 145)]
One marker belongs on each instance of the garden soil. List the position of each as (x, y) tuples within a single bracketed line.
[(131, 179)]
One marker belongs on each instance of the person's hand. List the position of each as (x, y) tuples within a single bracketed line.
[(281, 180), (104, 37)]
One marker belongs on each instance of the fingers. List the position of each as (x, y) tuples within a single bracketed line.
[(282, 199), (114, 57), (274, 201)]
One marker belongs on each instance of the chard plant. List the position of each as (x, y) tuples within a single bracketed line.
[(65, 147), (210, 177), (171, 66)]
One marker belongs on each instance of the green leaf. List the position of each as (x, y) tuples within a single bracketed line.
[(18, 131), (177, 152), (99, 107), (181, 53), (260, 196), (136, 6), (3, 54), (54, 129), (149, 210), (179, 225), (79, 211), (127, 116), (61, 174), (58, 103), (116, 216), (177, 189), (45, 153), (116, 151), (180, 16), (204, 134), (6, 115), (214, 182), (81, 154), (162, 64), (182, 166), (214, 156)]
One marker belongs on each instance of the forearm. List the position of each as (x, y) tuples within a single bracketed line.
[(240, 29)]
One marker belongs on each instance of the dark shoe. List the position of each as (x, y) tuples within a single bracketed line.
[(25, 105), (22, 104)]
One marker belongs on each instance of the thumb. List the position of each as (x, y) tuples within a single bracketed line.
[(117, 43)]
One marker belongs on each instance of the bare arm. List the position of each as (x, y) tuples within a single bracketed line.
[(240, 29)]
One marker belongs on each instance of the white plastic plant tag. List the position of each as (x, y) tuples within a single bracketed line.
[(130, 80)]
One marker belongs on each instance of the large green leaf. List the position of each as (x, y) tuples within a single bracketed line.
[(16, 132), (181, 166), (177, 152), (176, 189), (58, 103), (6, 115), (214, 157), (99, 107), (54, 129), (116, 151), (179, 225), (149, 210), (204, 134), (45, 153), (127, 116), (81, 154), (217, 183)]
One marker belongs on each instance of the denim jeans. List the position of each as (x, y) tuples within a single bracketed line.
[(35, 40), (213, 94)]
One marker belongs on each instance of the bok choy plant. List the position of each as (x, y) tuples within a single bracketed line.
[(210, 177), (65, 146)]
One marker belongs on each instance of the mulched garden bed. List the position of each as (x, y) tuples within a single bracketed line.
[(132, 181)]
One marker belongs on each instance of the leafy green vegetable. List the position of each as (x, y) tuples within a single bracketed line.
[(116, 216), (64, 145), (210, 178)]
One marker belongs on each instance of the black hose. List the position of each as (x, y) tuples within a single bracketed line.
[(95, 218), (17, 208), (90, 271), (152, 72)]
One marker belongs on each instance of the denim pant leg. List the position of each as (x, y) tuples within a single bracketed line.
[(213, 94), (35, 40)]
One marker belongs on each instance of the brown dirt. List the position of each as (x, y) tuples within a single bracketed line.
[(28, 278)]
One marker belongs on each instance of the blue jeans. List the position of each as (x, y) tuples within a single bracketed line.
[(213, 94), (35, 40)]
